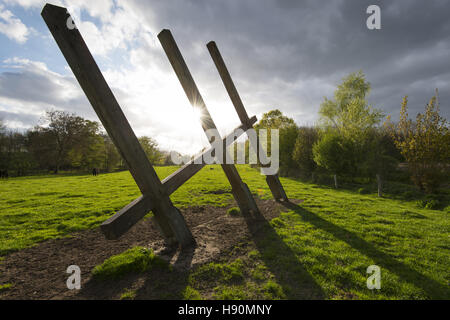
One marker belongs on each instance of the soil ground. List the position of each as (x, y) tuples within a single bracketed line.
[(39, 272)]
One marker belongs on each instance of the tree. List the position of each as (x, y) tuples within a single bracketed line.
[(64, 129), (288, 131), (425, 144), (333, 153), (303, 149), (150, 147), (349, 111), (67, 141), (274, 119), (112, 157), (14, 156), (87, 150), (41, 144), (351, 117), (2, 146)]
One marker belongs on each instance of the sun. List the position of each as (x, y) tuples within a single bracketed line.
[(198, 114)]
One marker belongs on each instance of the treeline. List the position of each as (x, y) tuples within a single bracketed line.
[(353, 140), (67, 142)]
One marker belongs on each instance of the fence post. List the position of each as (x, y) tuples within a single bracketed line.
[(240, 190), (91, 80), (273, 181)]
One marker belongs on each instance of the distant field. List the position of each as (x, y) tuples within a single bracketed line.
[(37, 208), (334, 235)]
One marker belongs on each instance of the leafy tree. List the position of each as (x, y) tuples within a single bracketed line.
[(150, 147), (425, 144), (303, 149), (349, 111), (88, 148), (67, 141), (63, 132), (288, 131), (112, 157), (274, 119), (13, 154), (351, 117), (381, 155), (2, 145), (332, 152)]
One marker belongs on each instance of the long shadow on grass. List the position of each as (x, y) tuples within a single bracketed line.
[(160, 282), (296, 281), (165, 284), (432, 288)]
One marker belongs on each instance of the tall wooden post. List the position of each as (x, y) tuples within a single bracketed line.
[(83, 65), (273, 181), (240, 190)]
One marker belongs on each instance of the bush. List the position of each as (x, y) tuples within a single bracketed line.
[(303, 150), (335, 154), (428, 204), (409, 195), (235, 211), (424, 144), (363, 191), (432, 204)]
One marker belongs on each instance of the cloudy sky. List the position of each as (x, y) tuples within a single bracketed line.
[(281, 54)]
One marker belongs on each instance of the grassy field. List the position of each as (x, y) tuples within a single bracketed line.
[(327, 241)]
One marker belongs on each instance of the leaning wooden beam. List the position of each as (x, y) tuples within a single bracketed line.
[(123, 220), (239, 189), (83, 65), (179, 177), (272, 180), (127, 217)]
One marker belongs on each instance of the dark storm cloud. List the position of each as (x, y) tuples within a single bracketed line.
[(27, 120), (29, 86), (286, 54), (292, 53), (36, 90)]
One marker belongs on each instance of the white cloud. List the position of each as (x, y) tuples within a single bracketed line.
[(285, 55), (26, 3), (31, 89), (12, 27)]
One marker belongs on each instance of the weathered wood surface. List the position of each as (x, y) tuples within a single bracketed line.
[(240, 191), (91, 80), (179, 177), (273, 181), (123, 220), (128, 216)]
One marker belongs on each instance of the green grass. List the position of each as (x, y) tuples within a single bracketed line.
[(135, 260), (34, 209), (190, 293), (235, 211), (128, 295), (325, 244), (4, 287), (225, 272)]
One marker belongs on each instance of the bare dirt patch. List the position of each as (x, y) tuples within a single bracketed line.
[(39, 272)]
